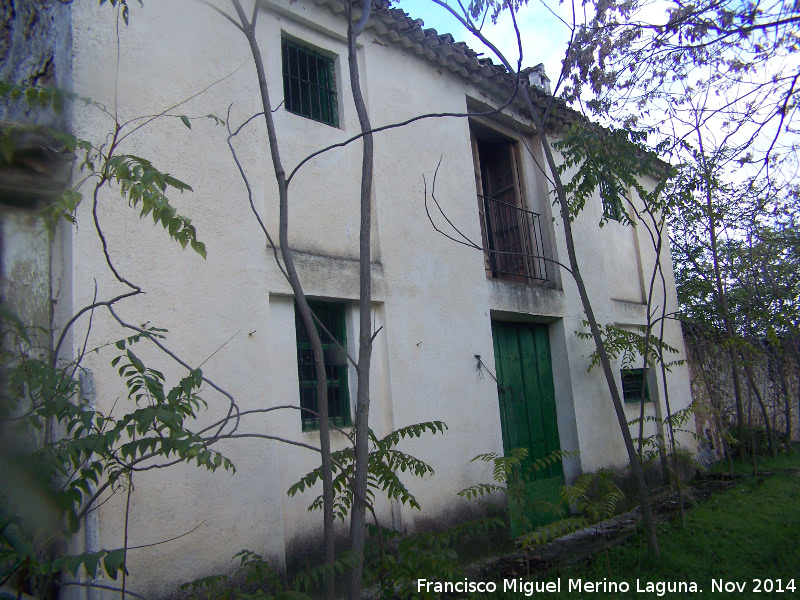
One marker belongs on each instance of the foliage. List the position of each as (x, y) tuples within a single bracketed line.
[(396, 563), (602, 485), (676, 422), (253, 579), (655, 62), (594, 498), (53, 483), (507, 470), (748, 532), (385, 460), (613, 160), (629, 346), (41, 98), (138, 180), (716, 83), (511, 474), (735, 255), (758, 261), (433, 554)]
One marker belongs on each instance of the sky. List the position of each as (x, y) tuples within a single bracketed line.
[(544, 37)]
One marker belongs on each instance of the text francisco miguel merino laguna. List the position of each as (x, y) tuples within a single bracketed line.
[(659, 588)]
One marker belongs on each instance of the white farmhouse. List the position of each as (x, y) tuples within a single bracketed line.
[(438, 305)]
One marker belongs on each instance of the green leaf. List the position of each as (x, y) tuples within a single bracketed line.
[(7, 148), (32, 96), (114, 562), (63, 207), (199, 247), (137, 364), (185, 120)]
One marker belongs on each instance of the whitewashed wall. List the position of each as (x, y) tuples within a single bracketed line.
[(234, 314)]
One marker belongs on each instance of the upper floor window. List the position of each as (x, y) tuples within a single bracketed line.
[(512, 237), (612, 200), (309, 83)]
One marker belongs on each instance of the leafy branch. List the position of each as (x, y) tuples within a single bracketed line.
[(629, 346), (385, 460)]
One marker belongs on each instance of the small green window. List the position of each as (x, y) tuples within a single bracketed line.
[(634, 385), (331, 314), (309, 83), (612, 202)]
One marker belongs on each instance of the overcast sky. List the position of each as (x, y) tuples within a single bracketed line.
[(544, 37)]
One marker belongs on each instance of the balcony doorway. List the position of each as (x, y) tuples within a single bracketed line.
[(511, 234)]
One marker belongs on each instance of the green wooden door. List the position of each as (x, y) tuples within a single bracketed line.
[(528, 418)]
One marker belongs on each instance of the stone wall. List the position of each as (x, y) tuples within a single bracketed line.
[(34, 50), (712, 388), (34, 47)]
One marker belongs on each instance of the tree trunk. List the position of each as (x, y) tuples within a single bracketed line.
[(358, 513), (759, 397), (780, 365), (670, 425), (633, 457), (248, 28), (722, 301)]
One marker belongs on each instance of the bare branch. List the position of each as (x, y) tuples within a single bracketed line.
[(224, 14), (177, 537), (233, 406), (83, 311), (177, 104), (101, 586)]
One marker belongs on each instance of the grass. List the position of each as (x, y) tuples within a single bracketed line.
[(746, 536), (750, 532)]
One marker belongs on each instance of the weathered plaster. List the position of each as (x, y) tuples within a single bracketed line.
[(232, 312)]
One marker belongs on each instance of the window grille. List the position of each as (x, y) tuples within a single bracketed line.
[(612, 202), (512, 242), (309, 84), (634, 385), (512, 237), (331, 315)]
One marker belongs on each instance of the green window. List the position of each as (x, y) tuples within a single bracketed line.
[(612, 203), (634, 385), (331, 314), (309, 83)]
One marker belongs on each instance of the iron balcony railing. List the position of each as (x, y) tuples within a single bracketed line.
[(512, 242)]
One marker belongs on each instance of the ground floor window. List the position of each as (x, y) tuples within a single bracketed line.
[(634, 385), (332, 316)]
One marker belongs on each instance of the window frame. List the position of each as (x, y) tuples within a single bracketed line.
[(514, 250), (633, 394), (610, 196), (336, 361), (299, 93)]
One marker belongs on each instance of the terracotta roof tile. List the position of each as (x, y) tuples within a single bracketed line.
[(398, 27)]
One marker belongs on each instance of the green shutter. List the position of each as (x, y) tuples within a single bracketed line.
[(528, 413), (634, 385), (331, 314)]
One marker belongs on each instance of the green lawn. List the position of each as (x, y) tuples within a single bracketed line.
[(749, 533)]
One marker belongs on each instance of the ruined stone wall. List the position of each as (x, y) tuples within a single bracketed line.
[(34, 48), (712, 389)]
